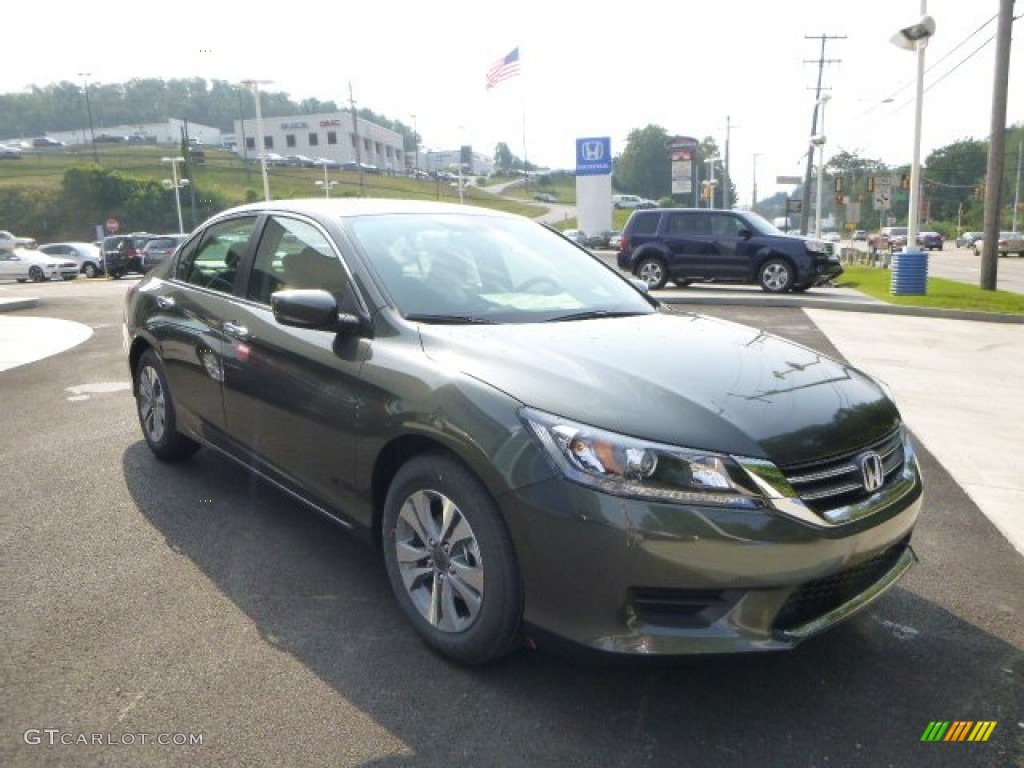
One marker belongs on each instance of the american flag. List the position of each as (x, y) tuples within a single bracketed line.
[(503, 68)]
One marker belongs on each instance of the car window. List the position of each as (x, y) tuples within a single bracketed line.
[(643, 224), (726, 226), (295, 254), (686, 224), (212, 261)]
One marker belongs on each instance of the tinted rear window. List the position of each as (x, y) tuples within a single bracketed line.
[(643, 223)]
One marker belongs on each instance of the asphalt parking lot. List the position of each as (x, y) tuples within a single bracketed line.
[(146, 600)]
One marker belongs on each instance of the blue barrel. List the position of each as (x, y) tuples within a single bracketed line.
[(909, 273)]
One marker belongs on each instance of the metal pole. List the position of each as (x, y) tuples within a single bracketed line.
[(88, 109), (255, 85), (996, 147), (1016, 188), (915, 166)]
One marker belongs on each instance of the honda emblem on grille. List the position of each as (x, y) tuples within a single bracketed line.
[(872, 472)]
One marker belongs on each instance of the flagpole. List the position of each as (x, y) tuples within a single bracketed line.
[(526, 162)]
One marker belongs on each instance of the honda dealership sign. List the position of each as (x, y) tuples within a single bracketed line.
[(594, 156)]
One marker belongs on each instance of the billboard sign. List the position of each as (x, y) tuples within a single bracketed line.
[(594, 156)]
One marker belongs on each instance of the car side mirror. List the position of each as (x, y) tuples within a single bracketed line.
[(313, 309)]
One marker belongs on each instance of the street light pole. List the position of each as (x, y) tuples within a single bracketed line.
[(88, 109), (819, 140), (177, 185), (416, 141), (255, 86), (753, 194)]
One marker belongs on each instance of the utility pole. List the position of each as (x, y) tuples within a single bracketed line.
[(805, 209), (753, 194), (996, 148), (355, 138)]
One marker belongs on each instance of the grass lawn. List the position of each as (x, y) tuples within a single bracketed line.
[(941, 293)]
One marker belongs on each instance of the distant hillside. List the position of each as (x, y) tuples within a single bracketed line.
[(63, 107)]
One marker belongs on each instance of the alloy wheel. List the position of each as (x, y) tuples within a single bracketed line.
[(152, 404)]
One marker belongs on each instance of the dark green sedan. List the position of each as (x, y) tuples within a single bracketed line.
[(535, 445)]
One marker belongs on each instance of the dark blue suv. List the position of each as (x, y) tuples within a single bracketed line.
[(690, 245)]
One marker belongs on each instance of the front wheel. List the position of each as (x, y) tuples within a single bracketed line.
[(682, 282), (35, 274), (652, 271), (89, 270), (450, 561), (157, 416), (776, 276)]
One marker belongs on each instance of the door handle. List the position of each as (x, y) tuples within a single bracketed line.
[(165, 302), (237, 331)]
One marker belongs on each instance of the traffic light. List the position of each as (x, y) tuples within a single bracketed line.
[(840, 199), (839, 185), (905, 181), (871, 183)]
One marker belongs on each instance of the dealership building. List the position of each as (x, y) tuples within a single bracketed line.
[(331, 135)]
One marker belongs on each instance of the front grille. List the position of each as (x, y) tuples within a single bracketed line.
[(837, 482), (816, 598)]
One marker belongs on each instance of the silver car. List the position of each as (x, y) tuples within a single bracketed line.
[(86, 255)]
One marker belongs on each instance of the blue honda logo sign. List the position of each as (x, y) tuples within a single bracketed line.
[(594, 156)]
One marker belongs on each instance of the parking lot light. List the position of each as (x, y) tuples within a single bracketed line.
[(176, 185)]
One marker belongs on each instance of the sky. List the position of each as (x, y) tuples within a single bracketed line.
[(742, 71)]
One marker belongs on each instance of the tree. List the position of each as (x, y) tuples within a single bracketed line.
[(644, 167), (952, 173), (504, 160)]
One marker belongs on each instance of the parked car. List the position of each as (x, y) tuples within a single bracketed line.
[(878, 242), (631, 201), (123, 253), (600, 239), (576, 235), (860, 235), (10, 152), (159, 248), (1009, 242), (488, 405), (615, 241), (690, 245), (23, 264), (300, 161), (930, 241), (88, 257), (545, 197), (10, 241), (45, 141), (968, 239)]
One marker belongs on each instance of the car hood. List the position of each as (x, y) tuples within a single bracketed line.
[(678, 379)]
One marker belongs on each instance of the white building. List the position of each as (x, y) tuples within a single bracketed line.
[(169, 132), (433, 160), (330, 136)]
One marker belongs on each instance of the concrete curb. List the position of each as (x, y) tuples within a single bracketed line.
[(7, 305), (870, 306)]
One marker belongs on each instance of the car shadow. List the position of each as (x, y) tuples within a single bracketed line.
[(862, 694)]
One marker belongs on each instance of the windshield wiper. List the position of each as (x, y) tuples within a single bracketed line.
[(594, 314), (449, 319)]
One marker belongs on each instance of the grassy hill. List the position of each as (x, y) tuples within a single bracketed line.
[(227, 178)]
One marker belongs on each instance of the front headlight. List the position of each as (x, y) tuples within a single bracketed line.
[(627, 466)]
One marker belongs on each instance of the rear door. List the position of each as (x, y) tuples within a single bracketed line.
[(686, 236), (188, 322)]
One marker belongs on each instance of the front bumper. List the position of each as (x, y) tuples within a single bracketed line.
[(628, 576)]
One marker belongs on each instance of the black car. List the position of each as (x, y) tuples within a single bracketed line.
[(493, 408), (158, 248), (123, 253), (690, 245)]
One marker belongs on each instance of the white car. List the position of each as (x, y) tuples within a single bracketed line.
[(86, 255), (632, 201), (23, 264)]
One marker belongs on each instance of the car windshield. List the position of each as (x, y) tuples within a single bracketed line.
[(761, 225), (472, 268)]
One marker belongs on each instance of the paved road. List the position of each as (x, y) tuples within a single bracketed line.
[(142, 598)]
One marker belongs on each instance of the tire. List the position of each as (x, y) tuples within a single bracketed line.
[(438, 577), (90, 270), (35, 274), (653, 272), (21, 280), (682, 282), (801, 288), (70, 277), (155, 408), (117, 274), (775, 276)]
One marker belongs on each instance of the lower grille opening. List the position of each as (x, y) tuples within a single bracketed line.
[(816, 598), (681, 608)]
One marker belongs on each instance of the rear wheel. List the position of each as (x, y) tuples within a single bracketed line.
[(157, 416), (776, 276), (444, 540), (682, 282), (652, 271)]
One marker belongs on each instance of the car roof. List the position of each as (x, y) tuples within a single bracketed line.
[(343, 207)]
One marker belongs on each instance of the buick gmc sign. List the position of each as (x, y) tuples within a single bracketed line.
[(594, 156)]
